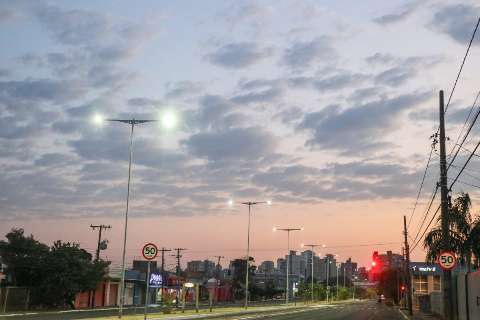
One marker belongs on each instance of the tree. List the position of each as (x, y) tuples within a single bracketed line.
[(24, 257), (55, 275), (388, 284), (238, 277), (68, 270), (464, 231)]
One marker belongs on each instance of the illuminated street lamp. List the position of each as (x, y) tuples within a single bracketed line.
[(168, 121), (287, 230), (249, 204), (313, 246)]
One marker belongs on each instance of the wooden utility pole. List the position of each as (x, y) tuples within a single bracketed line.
[(178, 256), (100, 228), (408, 279), (447, 274), (163, 250)]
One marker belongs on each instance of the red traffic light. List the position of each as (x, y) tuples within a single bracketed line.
[(374, 264), (402, 288)]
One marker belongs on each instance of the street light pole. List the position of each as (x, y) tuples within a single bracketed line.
[(288, 230), (249, 204), (336, 265), (327, 264), (132, 123), (312, 246)]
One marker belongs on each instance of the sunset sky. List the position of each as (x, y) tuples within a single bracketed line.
[(323, 107)]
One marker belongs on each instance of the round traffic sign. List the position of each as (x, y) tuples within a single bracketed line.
[(149, 251), (447, 260)]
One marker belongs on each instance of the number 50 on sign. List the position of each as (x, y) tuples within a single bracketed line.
[(149, 251), (447, 260)]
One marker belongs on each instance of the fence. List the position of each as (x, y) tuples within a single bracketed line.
[(14, 299)]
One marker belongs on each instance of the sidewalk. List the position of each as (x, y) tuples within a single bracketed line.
[(418, 315)]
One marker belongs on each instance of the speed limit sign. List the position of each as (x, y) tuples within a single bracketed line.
[(149, 251), (447, 260)]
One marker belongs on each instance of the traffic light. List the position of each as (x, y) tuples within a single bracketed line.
[(402, 288), (375, 260)]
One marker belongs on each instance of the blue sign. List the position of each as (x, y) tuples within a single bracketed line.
[(156, 280)]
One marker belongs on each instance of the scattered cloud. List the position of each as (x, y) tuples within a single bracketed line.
[(303, 54), (238, 55), (457, 21), (235, 144), (360, 129)]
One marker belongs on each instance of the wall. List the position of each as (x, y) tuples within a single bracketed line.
[(461, 297), (436, 303), (474, 295)]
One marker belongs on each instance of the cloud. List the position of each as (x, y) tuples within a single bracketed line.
[(404, 69), (457, 21), (359, 129), (214, 112), (380, 58), (231, 145), (340, 81), (183, 89), (238, 55), (394, 17), (342, 182), (304, 54)]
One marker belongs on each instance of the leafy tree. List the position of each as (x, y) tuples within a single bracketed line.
[(24, 257), (54, 274), (464, 231), (238, 277), (305, 291), (388, 284), (68, 271)]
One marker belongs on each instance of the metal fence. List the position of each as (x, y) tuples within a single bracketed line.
[(14, 299)]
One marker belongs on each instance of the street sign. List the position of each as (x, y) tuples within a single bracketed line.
[(149, 251), (447, 260)]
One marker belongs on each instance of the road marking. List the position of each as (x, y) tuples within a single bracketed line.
[(403, 314)]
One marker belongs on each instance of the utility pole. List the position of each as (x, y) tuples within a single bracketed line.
[(408, 280), (100, 228), (218, 259), (447, 274), (218, 267), (163, 250), (178, 256), (97, 254)]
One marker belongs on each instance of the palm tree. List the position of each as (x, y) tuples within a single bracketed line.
[(464, 233)]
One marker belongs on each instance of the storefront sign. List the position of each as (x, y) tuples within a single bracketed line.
[(156, 280)]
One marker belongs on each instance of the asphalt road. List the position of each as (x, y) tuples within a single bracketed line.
[(364, 310), (367, 310)]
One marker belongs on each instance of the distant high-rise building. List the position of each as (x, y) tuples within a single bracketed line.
[(281, 266), (295, 265), (267, 267), (348, 269), (197, 266), (307, 265)]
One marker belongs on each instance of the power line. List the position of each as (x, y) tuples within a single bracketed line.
[(421, 186), (425, 231), (426, 212), (468, 131), (461, 66), (463, 167)]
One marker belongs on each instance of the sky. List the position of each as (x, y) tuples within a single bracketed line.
[(326, 108)]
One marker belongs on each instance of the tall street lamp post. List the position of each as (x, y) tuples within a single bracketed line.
[(132, 123), (312, 247), (288, 230), (168, 121), (249, 204), (327, 265)]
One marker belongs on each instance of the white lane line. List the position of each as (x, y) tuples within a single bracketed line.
[(403, 314)]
